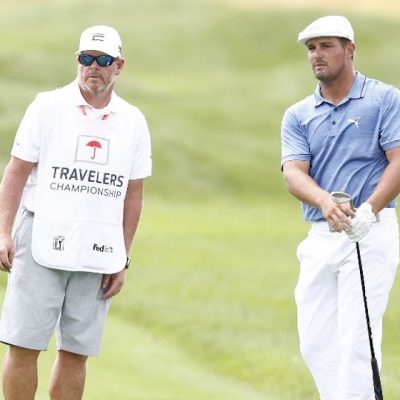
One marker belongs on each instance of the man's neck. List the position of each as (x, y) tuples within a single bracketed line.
[(335, 91), (97, 100)]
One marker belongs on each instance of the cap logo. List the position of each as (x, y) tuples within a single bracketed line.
[(98, 36)]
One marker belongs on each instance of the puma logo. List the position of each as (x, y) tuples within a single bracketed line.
[(354, 121)]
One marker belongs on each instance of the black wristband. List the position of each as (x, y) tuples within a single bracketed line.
[(128, 261)]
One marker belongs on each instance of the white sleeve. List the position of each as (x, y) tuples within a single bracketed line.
[(28, 138), (142, 162)]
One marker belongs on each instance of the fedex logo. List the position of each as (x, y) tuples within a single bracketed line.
[(103, 248)]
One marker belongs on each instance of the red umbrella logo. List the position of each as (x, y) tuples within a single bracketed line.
[(95, 145)]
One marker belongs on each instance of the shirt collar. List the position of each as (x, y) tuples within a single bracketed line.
[(357, 91)]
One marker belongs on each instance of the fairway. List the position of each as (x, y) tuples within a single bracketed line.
[(207, 311)]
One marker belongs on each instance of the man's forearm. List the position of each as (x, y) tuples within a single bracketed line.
[(132, 211), (303, 187), (388, 187), (11, 188)]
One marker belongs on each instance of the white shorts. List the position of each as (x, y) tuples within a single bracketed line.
[(40, 301)]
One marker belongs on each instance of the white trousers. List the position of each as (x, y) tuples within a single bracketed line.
[(331, 318)]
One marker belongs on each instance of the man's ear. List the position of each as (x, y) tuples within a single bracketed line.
[(120, 65), (351, 49)]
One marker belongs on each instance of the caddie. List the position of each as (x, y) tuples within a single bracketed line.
[(75, 181), (344, 137)]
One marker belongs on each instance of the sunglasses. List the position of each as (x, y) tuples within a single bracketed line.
[(102, 61)]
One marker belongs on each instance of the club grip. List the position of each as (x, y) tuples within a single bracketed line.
[(377, 379)]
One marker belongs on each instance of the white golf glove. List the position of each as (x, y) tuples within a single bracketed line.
[(361, 223)]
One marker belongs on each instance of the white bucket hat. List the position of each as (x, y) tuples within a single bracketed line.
[(101, 38), (334, 25)]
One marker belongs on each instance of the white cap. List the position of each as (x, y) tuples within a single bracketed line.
[(335, 26), (101, 38)]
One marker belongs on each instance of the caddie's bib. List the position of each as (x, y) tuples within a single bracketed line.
[(82, 177)]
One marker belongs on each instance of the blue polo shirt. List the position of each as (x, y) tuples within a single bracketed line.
[(344, 143)]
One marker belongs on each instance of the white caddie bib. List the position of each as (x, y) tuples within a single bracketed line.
[(83, 173)]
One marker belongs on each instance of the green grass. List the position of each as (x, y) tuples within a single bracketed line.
[(207, 310)]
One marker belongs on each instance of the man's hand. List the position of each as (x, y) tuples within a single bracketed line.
[(7, 252), (338, 215), (112, 284), (361, 223)]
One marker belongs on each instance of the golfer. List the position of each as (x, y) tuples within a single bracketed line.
[(344, 137), (75, 182)]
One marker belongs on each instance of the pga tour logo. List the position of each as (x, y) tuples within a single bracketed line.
[(92, 149), (58, 243)]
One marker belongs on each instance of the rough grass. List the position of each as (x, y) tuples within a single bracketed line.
[(385, 7), (207, 311)]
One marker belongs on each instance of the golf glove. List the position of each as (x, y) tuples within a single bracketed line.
[(361, 223)]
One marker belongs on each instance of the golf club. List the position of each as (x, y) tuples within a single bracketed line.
[(374, 364), (341, 197)]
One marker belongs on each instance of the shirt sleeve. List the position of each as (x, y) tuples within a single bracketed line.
[(28, 137), (142, 160), (390, 125), (293, 139)]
